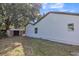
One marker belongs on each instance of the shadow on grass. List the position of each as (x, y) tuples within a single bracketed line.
[(7, 45)]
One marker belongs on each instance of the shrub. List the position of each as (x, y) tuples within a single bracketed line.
[(3, 33)]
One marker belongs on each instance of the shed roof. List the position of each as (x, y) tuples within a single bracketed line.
[(74, 14)]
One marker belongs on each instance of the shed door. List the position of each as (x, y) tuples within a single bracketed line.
[(16, 33)]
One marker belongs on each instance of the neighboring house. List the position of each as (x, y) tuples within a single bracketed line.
[(56, 26)]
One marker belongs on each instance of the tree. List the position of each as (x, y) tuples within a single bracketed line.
[(18, 14)]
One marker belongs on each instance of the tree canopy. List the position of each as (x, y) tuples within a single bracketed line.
[(18, 14)]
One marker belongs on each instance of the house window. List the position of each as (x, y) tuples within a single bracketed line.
[(36, 30), (71, 27)]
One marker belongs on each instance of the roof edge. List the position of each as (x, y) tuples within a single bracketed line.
[(74, 14)]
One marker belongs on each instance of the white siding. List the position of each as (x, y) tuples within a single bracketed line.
[(54, 27)]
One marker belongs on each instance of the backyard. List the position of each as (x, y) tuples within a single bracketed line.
[(25, 46)]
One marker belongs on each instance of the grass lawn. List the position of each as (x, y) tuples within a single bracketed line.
[(49, 48), (20, 46)]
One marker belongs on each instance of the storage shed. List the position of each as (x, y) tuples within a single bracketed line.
[(56, 26)]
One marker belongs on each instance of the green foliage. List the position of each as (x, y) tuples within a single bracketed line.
[(18, 14), (2, 33)]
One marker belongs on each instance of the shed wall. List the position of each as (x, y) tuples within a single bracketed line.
[(54, 27)]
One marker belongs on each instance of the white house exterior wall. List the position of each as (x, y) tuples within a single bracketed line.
[(54, 27)]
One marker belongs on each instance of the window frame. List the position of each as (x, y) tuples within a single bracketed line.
[(35, 30), (70, 27)]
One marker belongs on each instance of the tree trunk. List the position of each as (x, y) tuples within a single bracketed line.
[(7, 24)]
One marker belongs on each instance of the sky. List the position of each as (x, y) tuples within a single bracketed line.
[(60, 7)]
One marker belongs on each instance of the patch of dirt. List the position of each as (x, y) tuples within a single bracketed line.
[(14, 46)]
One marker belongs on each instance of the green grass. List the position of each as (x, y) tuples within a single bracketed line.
[(49, 48), (20, 46)]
